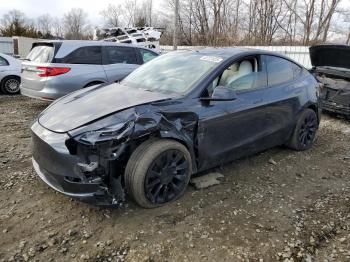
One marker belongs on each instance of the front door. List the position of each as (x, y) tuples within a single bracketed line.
[(230, 129)]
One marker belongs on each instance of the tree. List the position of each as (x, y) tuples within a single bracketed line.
[(112, 15), (130, 11), (315, 16), (57, 28), (75, 24), (150, 12), (44, 24), (15, 23)]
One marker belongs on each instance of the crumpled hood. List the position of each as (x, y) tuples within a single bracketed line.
[(90, 104), (330, 55)]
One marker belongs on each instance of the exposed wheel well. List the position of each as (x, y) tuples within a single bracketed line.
[(315, 109), (93, 83), (132, 145)]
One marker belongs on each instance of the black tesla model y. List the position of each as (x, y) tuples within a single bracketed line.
[(181, 113)]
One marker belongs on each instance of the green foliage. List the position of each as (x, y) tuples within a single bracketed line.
[(14, 24), (141, 22), (18, 29)]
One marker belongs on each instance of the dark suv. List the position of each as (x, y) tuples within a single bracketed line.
[(331, 66), (180, 114)]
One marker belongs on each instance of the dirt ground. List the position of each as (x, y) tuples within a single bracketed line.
[(277, 205)]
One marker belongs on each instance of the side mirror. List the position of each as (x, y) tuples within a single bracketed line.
[(221, 93)]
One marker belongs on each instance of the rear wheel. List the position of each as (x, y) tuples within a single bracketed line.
[(10, 85), (305, 131), (158, 172)]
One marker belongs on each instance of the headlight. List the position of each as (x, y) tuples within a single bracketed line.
[(113, 132), (114, 126)]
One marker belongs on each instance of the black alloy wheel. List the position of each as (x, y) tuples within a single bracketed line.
[(305, 131), (158, 172), (167, 177), (308, 130)]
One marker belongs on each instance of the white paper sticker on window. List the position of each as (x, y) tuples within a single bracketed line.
[(214, 59)]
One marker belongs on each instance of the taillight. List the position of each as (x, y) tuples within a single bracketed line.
[(51, 71)]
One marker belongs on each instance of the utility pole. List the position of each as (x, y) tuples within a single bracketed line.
[(176, 24), (150, 12)]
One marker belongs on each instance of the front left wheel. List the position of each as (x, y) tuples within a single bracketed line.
[(158, 172), (10, 85)]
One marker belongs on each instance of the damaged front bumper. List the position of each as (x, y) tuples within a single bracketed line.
[(336, 108), (335, 94), (68, 174), (88, 162)]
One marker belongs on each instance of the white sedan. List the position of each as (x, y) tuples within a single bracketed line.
[(10, 74)]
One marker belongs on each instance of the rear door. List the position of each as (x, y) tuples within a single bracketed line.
[(85, 65), (284, 97), (40, 55), (119, 61)]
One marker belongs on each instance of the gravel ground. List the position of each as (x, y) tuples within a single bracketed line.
[(277, 205)]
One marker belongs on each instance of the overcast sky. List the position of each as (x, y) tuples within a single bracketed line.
[(35, 8)]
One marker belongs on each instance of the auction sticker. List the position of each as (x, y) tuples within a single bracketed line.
[(214, 59)]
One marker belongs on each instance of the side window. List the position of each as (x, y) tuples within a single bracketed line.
[(253, 80), (3, 62), (84, 55), (120, 55), (297, 70), (241, 76), (147, 55), (279, 70)]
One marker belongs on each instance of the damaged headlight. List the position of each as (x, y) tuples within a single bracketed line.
[(113, 132), (113, 127)]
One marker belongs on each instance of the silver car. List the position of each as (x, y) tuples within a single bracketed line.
[(55, 68), (10, 74)]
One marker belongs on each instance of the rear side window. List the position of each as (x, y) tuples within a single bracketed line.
[(147, 55), (84, 55), (3, 62), (41, 54), (120, 55), (279, 70), (297, 70)]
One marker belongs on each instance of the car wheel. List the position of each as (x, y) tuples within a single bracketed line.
[(305, 131), (10, 85), (158, 172)]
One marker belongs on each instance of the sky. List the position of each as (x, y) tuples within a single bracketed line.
[(35, 8)]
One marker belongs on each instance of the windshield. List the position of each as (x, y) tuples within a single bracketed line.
[(41, 54), (175, 72)]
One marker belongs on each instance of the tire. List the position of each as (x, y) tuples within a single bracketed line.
[(305, 131), (158, 172), (10, 85)]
